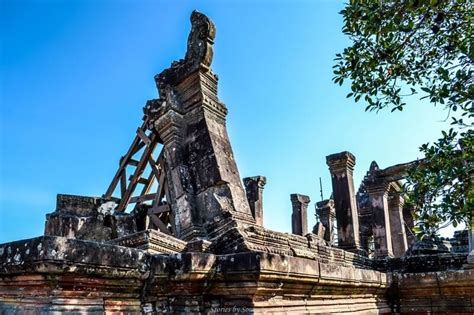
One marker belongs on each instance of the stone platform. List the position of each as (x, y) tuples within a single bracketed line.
[(55, 274)]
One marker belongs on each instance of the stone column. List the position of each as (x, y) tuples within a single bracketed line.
[(170, 126), (326, 213), (299, 218), (205, 188), (397, 226), (254, 190), (341, 166), (378, 196), (409, 224)]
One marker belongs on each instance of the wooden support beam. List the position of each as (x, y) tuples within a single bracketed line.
[(142, 181), (155, 169), (159, 209), (161, 226), (143, 136), (132, 162), (139, 146), (135, 147), (159, 215), (123, 182), (142, 198), (150, 180), (138, 173), (161, 188)]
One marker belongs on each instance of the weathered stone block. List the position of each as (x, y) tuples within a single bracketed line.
[(78, 205), (89, 218), (71, 226)]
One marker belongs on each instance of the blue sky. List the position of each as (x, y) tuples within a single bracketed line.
[(76, 74)]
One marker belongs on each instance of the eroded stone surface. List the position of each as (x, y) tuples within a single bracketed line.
[(94, 260), (88, 218)]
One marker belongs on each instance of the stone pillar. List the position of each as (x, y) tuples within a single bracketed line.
[(341, 166), (170, 125), (254, 190), (397, 226), (378, 197), (204, 184), (299, 218), (319, 230), (409, 224), (326, 213)]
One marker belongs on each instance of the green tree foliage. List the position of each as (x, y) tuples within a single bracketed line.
[(403, 48)]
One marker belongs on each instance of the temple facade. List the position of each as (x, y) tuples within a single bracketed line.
[(179, 231)]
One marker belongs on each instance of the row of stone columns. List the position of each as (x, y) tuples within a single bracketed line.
[(389, 217), (325, 211), (299, 219)]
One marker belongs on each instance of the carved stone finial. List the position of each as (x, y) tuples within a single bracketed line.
[(373, 166), (198, 55), (200, 40)]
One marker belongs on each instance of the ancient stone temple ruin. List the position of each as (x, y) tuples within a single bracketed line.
[(179, 231)]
